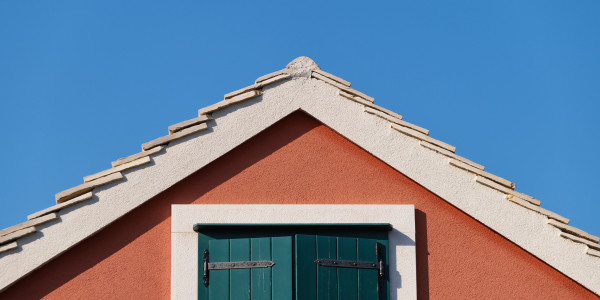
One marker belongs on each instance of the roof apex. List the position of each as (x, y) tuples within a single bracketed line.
[(302, 65)]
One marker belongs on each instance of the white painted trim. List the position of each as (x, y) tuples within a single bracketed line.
[(184, 241)]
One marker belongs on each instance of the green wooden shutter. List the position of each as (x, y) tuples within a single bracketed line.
[(258, 283), (294, 251), (323, 282)]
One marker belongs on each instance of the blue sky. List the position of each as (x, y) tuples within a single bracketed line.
[(514, 85)]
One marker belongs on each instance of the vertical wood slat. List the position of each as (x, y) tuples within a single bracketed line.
[(384, 282), (202, 245), (367, 278), (347, 277), (260, 278), (239, 284), (326, 276), (306, 269), (281, 254), (218, 288)]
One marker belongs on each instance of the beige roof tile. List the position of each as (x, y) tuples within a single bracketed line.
[(367, 103), (342, 87), (571, 237), (213, 107), (538, 209), (423, 137), (272, 80), (86, 187), (133, 157), (17, 234), (8, 247), (506, 190), (593, 252), (171, 137), (575, 231), (185, 124), (132, 164), (395, 120), (271, 75), (464, 166), (244, 96), (450, 154), (333, 77), (29, 223), (58, 207), (242, 90), (224, 103)]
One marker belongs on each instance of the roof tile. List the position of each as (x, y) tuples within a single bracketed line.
[(538, 209), (185, 124), (133, 157), (17, 234), (571, 237), (58, 207), (593, 252), (485, 174), (369, 104), (450, 154), (171, 137), (421, 136), (575, 231), (342, 87), (28, 223), (8, 247), (333, 77), (132, 164), (506, 190), (396, 120), (271, 75), (86, 187)]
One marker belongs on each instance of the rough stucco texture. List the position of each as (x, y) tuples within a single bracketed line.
[(298, 160)]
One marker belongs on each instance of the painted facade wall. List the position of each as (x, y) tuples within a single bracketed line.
[(299, 161)]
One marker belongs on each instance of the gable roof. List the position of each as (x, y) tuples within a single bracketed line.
[(190, 145)]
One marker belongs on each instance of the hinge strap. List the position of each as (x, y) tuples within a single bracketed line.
[(206, 265)]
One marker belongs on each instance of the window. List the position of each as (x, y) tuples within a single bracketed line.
[(186, 254), (293, 262)]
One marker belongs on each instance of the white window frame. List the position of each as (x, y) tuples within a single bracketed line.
[(184, 240)]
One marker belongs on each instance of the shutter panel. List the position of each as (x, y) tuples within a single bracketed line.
[(254, 283), (329, 282)]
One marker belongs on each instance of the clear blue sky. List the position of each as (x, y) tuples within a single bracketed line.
[(514, 85)]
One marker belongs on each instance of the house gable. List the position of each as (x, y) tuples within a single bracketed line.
[(192, 145), (299, 160)]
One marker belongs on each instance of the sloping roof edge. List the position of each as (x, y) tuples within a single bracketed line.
[(383, 133)]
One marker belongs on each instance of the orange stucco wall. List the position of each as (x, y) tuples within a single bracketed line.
[(299, 160)]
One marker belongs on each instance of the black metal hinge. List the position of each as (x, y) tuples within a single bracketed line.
[(207, 266), (379, 265)]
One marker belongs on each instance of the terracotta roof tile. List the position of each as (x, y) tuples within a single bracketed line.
[(29, 223)]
